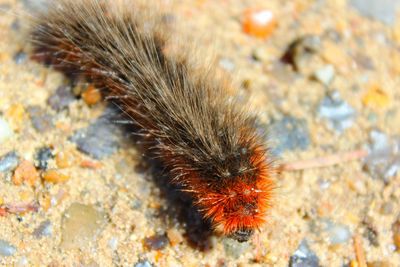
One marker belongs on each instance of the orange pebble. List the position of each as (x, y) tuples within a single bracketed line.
[(54, 176), (375, 97), (3, 211), (90, 164), (17, 114), (25, 173), (91, 96), (45, 202), (258, 22)]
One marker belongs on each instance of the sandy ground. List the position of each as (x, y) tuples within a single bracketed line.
[(110, 212)]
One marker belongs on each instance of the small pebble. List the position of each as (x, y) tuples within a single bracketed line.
[(16, 115), (9, 161), (43, 155), (227, 64), (376, 98), (6, 249), (383, 162), (41, 121), (338, 234), (291, 133), (379, 141), (382, 10), (324, 184), (338, 113), (234, 248), (100, 139), (325, 75), (143, 263), (25, 173), (61, 98), (156, 242), (5, 130), (259, 22), (304, 257), (54, 176), (91, 95), (174, 236), (20, 57), (44, 229), (81, 224)]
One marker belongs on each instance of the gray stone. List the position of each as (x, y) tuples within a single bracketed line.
[(20, 57), (44, 229), (382, 10), (290, 134), (383, 162), (304, 257), (339, 114), (100, 140), (61, 98), (41, 120), (6, 249), (9, 161)]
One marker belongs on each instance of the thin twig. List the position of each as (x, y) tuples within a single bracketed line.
[(325, 161), (359, 251)]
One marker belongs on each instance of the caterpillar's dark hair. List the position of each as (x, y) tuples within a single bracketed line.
[(206, 141)]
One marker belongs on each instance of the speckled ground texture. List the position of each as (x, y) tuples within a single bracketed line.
[(326, 80)]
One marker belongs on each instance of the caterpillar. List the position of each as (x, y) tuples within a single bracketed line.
[(208, 143)]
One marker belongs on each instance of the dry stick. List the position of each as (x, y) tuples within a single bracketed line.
[(359, 251), (325, 161)]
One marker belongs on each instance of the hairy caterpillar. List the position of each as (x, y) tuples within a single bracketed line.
[(207, 142)]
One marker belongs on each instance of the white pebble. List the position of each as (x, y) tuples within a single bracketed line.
[(5, 130)]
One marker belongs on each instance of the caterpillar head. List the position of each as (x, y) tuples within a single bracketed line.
[(237, 202)]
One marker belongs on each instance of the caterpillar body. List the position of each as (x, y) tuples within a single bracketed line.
[(209, 144)]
